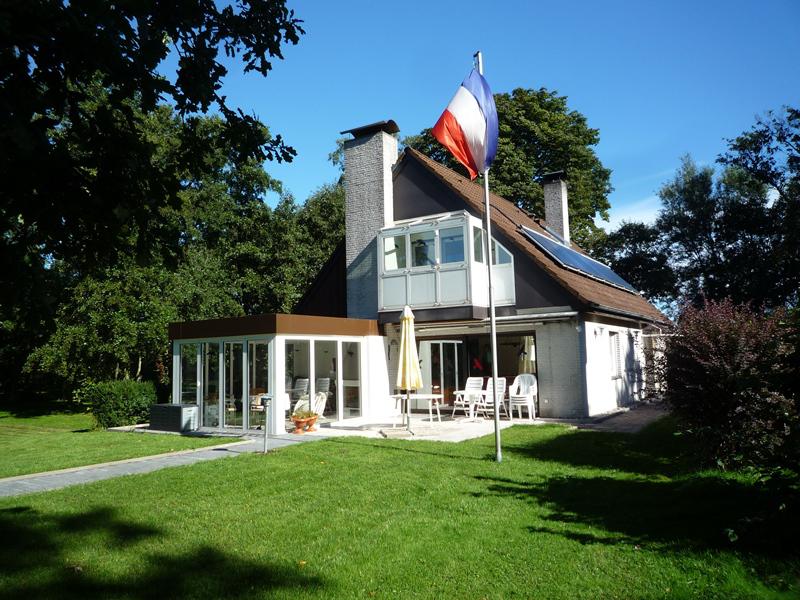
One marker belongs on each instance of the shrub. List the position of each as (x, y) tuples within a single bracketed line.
[(726, 378), (117, 403)]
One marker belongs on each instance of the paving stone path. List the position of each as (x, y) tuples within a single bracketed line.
[(631, 421), (53, 480)]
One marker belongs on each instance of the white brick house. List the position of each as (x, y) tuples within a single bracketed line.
[(414, 236)]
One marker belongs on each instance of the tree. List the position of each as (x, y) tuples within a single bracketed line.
[(714, 238), (637, 252), (86, 179), (321, 223), (77, 80), (770, 154), (732, 234), (538, 135), (112, 323)]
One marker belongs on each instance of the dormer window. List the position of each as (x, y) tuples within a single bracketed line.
[(426, 263), (500, 256)]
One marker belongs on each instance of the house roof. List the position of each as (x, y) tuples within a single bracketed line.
[(506, 217)]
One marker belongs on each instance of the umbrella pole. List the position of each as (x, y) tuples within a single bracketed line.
[(408, 411)]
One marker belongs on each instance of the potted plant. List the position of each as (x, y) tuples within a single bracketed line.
[(304, 419)]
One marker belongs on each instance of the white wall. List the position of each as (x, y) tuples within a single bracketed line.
[(605, 390), (376, 381)]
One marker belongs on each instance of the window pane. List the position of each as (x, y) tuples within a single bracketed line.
[(298, 375), (351, 379), (188, 373), (499, 255), (613, 342), (477, 244), (452, 240), (325, 379), (422, 251), (258, 367), (394, 253), (234, 384), (210, 383)]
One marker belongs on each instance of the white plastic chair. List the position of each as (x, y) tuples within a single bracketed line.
[(522, 394), (300, 393), (322, 384), (320, 401), (469, 396), (490, 396)]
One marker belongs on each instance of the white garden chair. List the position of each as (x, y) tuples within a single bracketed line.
[(467, 398), (299, 393), (522, 394), (490, 396)]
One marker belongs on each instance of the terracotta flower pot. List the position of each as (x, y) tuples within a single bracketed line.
[(299, 425), (310, 425)]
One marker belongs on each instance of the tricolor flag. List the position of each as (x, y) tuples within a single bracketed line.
[(468, 126)]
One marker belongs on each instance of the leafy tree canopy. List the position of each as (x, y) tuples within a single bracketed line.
[(539, 135), (77, 79), (733, 234), (222, 252)]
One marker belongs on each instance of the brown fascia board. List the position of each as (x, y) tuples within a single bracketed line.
[(272, 323), (563, 276)]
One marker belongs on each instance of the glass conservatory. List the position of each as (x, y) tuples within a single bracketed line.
[(226, 366)]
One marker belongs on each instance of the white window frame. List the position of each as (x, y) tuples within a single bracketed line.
[(615, 351)]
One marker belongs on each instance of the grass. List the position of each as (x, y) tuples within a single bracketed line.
[(567, 514), (33, 443)]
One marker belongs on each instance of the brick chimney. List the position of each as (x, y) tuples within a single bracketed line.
[(369, 206), (555, 204)]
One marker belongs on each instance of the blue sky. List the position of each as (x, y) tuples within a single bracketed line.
[(658, 80)]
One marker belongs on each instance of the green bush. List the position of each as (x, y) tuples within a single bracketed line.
[(728, 378), (117, 403)]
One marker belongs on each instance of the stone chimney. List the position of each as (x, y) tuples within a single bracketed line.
[(369, 206), (555, 204)]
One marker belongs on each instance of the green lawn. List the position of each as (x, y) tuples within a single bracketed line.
[(36, 443), (568, 514)]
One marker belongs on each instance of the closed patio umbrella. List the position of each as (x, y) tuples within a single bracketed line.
[(409, 376)]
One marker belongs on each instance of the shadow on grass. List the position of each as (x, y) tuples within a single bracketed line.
[(35, 562), (655, 450), (37, 407), (409, 446), (696, 512)]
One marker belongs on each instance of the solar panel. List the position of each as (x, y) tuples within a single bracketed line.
[(570, 259)]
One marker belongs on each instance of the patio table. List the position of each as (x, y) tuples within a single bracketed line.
[(434, 400)]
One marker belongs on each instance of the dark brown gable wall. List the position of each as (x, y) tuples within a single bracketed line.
[(533, 287), (418, 193)]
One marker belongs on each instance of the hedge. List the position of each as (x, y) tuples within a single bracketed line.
[(117, 403)]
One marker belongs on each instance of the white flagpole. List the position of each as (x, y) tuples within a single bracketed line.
[(492, 321)]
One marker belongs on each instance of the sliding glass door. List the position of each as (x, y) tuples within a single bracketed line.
[(233, 376), (440, 367), (210, 384), (258, 377)]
